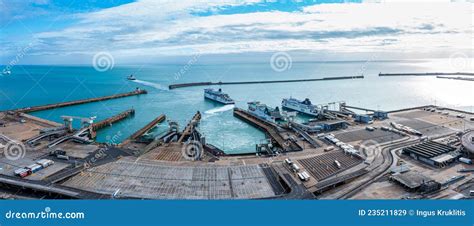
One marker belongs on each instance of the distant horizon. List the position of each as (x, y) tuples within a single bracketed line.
[(224, 62)]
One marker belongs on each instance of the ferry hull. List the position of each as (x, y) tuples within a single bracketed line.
[(217, 99)]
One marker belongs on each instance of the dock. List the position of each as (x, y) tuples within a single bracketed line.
[(143, 130), (109, 121), (182, 85), (77, 102), (268, 128), (426, 74), (190, 127), (359, 108)]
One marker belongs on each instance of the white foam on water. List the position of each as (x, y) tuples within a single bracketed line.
[(220, 109), (151, 84)]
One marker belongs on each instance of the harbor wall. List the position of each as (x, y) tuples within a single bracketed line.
[(182, 85)]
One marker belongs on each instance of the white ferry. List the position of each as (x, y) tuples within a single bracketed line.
[(218, 96), (305, 106), (264, 112)]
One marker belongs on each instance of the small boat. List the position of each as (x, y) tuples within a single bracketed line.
[(131, 77)]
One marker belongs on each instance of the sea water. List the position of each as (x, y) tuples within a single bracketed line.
[(38, 85)]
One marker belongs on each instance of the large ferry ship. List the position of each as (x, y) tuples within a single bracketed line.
[(218, 96), (264, 112), (304, 106)]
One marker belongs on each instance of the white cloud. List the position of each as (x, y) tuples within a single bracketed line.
[(157, 28)]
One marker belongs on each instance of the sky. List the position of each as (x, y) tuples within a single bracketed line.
[(72, 32)]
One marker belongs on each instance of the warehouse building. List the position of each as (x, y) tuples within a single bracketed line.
[(415, 182), (432, 153)]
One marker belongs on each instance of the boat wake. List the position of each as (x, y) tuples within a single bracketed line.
[(220, 109), (150, 84)]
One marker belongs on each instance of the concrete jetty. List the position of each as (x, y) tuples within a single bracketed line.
[(143, 130), (426, 74), (271, 130), (182, 85), (190, 127), (109, 121), (83, 101)]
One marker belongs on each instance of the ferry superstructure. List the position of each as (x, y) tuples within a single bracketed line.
[(218, 96), (264, 112), (305, 106)]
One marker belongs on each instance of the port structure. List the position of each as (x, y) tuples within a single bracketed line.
[(384, 161), (144, 129), (182, 85), (77, 102), (109, 121), (270, 129)]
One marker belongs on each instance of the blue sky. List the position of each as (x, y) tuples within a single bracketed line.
[(68, 32)]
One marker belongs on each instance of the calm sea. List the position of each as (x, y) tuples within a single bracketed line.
[(37, 85)]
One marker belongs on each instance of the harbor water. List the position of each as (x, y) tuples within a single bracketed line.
[(38, 85)]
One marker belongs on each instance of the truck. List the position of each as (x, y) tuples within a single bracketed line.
[(295, 167), (45, 162), (337, 164), (304, 176), (35, 167), (329, 148), (64, 157), (23, 172), (57, 152), (465, 160)]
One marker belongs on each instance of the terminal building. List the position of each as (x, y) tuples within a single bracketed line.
[(415, 182), (433, 153)]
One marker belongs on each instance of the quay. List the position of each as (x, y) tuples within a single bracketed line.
[(143, 130), (77, 102), (190, 127), (271, 130), (426, 74), (182, 85), (109, 121)]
